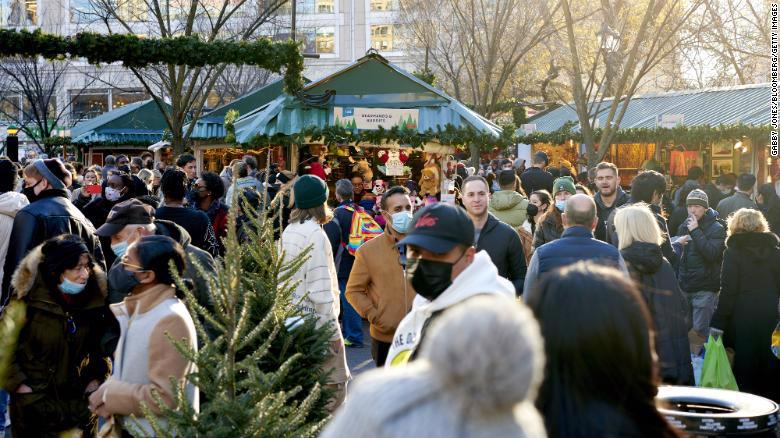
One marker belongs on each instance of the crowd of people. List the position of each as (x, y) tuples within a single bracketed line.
[(487, 317)]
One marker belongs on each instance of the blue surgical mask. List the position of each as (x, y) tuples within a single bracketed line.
[(560, 205), (120, 248), (401, 221), (71, 288)]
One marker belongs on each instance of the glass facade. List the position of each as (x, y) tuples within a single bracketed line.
[(18, 13), (384, 5), (386, 37), (310, 7), (88, 104), (120, 98), (318, 40), (81, 11)]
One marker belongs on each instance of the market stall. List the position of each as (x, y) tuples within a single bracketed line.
[(127, 130), (373, 120)]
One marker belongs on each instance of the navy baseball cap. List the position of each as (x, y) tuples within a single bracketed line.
[(439, 227)]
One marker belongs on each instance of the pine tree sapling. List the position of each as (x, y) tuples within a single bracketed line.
[(257, 377)]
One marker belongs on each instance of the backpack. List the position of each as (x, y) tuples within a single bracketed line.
[(362, 229)]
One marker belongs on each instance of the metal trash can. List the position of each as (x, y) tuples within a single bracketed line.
[(706, 412)]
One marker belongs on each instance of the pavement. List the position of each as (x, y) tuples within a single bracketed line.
[(359, 359)]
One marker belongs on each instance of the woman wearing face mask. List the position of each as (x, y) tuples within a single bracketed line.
[(81, 196), (538, 204), (146, 361), (118, 188), (58, 361), (551, 224), (208, 192)]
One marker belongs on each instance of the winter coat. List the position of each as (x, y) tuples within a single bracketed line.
[(509, 207), (735, 202), (317, 291), (97, 210), (666, 246), (605, 212), (502, 243), (668, 308), (699, 268), (576, 244), (748, 310), (241, 184), (52, 358), (534, 179), (10, 204), (714, 196), (677, 218), (547, 230), (477, 376), (479, 278), (378, 289), (196, 223), (146, 360), (49, 216)]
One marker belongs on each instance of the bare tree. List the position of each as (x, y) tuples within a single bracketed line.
[(186, 89), (731, 42), (29, 100), (606, 73), (474, 47)]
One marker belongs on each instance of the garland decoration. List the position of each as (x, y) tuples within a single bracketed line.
[(689, 135), (133, 51), (338, 135)]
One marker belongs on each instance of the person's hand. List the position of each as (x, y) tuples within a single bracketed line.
[(96, 405), (692, 223), (92, 387), (23, 389), (684, 240)]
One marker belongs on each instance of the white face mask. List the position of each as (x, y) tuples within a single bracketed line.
[(113, 194)]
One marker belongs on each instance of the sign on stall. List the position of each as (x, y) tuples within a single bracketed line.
[(670, 121), (373, 118)]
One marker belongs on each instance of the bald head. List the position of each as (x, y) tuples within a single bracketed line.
[(580, 211)]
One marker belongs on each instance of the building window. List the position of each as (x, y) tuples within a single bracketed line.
[(83, 11), (384, 5), (120, 98), (9, 107), (18, 13), (88, 104), (318, 40), (385, 38), (309, 7)]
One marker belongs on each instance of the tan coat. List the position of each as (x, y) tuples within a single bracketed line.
[(376, 287)]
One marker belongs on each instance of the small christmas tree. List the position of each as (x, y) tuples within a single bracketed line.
[(260, 373)]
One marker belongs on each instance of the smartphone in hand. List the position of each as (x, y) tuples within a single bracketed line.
[(93, 189)]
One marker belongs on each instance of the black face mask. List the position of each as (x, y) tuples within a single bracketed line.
[(428, 277), (122, 280), (532, 210), (29, 192)]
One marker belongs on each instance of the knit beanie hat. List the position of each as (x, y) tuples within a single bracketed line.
[(697, 197), (565, 184), (310, 191), (54, 172)]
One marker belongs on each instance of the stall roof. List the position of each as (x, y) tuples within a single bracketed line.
[(371, 82), (211, 125), (135, 122), (746, 104)]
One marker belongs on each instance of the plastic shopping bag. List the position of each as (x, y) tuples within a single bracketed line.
[(716, 371)]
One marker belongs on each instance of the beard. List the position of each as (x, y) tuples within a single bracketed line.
[(609, 191)]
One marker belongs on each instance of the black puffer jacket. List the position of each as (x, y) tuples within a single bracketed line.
[(668, 308), (699, 268), (747, 310), (49, 216), (503, 245)]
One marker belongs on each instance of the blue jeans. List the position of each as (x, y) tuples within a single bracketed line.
[(351, 322), (3, 410)]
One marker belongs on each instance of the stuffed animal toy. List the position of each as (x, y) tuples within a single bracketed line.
[(362, 168), (429, 182)]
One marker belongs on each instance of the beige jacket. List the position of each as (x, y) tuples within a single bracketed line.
[(146, 359), (377, 288)]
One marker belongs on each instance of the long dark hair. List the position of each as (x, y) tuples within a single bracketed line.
[(155, 254), (60, 254), (600, 360)]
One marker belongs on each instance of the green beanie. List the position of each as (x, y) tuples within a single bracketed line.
[(564, 184), (310, 191)]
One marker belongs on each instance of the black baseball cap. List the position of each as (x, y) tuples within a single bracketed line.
[(439, 227), (130, 212)]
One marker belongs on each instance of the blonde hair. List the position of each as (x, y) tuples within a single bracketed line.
[(746, 220), (321, 214), (637, 223)]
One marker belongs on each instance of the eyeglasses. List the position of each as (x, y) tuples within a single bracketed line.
[(127, 264)]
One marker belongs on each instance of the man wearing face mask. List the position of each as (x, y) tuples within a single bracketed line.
[(49, 214), (445, 269), (377, 287), (338, 234), (128, 222)]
